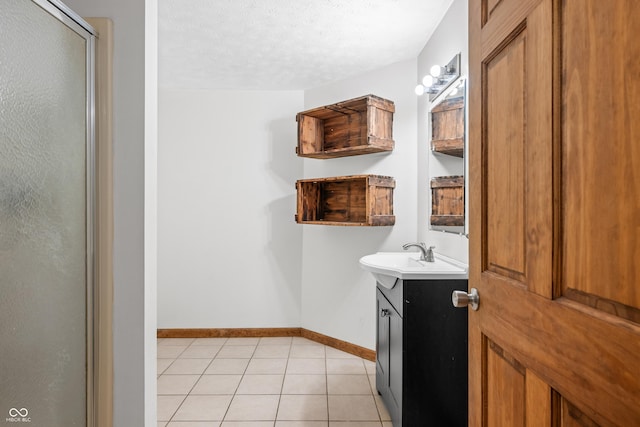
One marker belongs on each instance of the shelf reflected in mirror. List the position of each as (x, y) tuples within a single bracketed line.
[(447, 161)]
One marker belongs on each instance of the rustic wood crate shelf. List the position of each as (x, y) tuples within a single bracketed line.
[(358, 126), (447, 200), (447, 127), (356, 200)]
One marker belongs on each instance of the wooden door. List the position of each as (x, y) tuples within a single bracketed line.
[(554, 150)]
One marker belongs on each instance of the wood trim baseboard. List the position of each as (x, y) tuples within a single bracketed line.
[(228, 332), (345, 346)]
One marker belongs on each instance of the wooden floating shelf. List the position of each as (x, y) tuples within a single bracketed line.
[(447, 200), (358, 126), (357, 200), (447, 127)]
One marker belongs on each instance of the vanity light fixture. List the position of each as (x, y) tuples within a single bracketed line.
[(439, 78), (435, 71)]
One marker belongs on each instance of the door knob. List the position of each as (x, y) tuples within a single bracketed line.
[(463, 299), (385, 313)]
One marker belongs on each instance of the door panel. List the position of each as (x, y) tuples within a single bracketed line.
[(556, 340), (505, 388), (600, 156), (504, 145)]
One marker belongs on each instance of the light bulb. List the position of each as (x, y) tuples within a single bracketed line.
[(419, 90), (427, 80), (436, 70)]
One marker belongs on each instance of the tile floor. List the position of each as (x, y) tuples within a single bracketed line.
[(260, 382)]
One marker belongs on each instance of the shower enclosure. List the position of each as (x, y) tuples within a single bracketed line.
[(46, 215)]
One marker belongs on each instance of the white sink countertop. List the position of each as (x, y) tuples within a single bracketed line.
[(387, 267)]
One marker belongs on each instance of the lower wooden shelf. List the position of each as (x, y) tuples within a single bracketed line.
[(356, 200), (447, 127), (447, 200)]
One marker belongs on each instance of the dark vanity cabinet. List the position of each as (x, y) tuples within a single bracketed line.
[(421, 366)]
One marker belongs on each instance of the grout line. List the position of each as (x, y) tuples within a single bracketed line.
[(194, 384), (233, 396), (326, 380), (284, 375)]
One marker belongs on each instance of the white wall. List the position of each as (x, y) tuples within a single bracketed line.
[(450, 38), (229, 249), (338, 297), (230, 253), (130, 335)]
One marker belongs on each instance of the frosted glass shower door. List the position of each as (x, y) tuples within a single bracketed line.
[(45, 216)]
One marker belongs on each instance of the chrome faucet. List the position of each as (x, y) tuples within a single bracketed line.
[(426, 253)]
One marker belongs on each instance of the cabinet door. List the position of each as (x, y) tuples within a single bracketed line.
[(435, 354), (395, 366), (382, 343), (389, 357)]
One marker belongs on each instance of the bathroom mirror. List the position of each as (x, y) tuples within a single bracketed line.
[(447, 161)]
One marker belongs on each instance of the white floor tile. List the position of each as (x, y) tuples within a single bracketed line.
[(187, 366), (227, 366), (217, 384), (194, 424), (345, 366), (301, 424), (163, 364), (305, 384), (236, 351), (209, 341), (242, 341), (355, 424), (348, 384), (304, 341), (253, 408), (261, 384), (264, 382), (274, 351), (370, 367), (200, 352), (334, 353), (170, 351), (306, 366), (303, 407), (167, 406), (247, 424), (203, 408), (307, 351), (353, 408), (176, 341), (275, 341), (267, 366), (382, 408), (176, 384)]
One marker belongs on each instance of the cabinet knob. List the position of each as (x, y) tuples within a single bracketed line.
[(463, 299), (384, 312)]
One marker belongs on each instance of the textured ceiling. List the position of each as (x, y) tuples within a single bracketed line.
[(287, 44)]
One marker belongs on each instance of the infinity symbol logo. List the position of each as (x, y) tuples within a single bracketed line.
[(22, 412)]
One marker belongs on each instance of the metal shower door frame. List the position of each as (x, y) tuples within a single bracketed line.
[(74, 22)]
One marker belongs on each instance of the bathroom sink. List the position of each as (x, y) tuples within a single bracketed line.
[(388, 267)]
